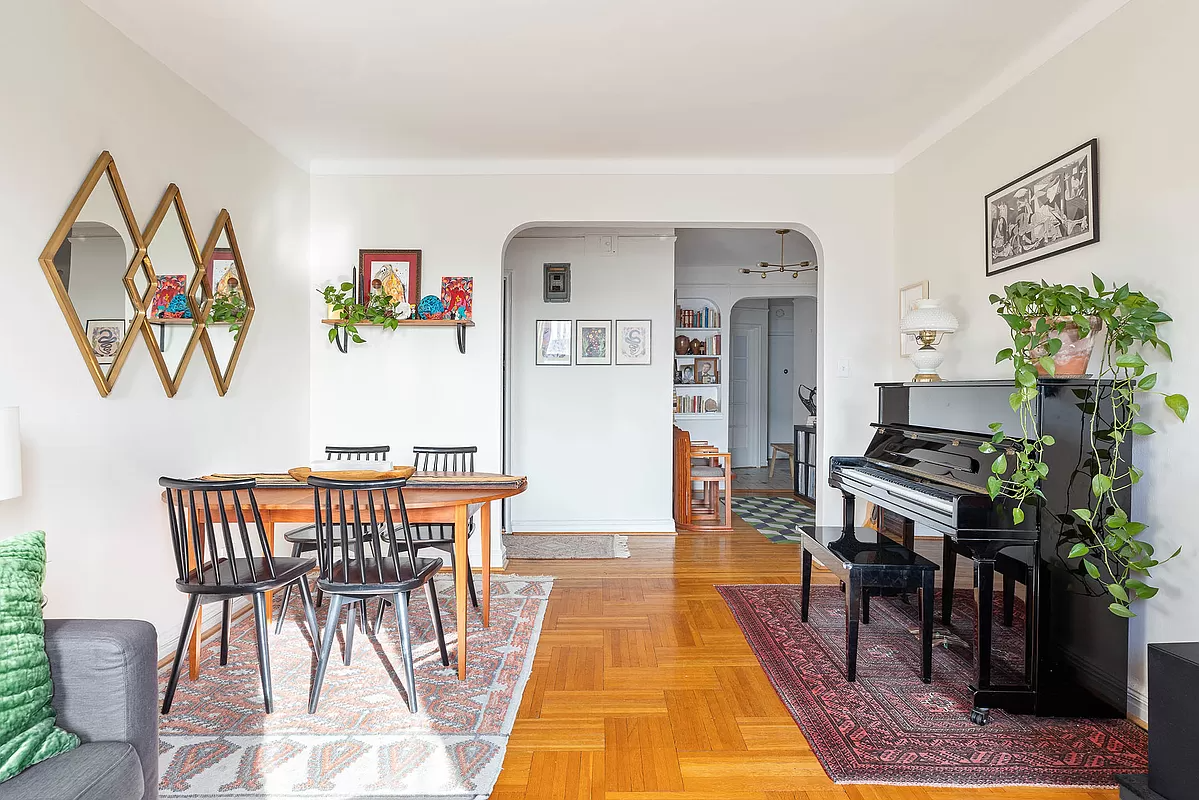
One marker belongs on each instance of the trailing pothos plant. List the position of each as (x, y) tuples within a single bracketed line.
[(378, 310), (229, 307), (1039, 315)]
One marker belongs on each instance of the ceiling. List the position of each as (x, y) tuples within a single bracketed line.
[(589, 79)]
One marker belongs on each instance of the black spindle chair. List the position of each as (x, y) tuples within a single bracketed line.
[(303, 539), (436, 535), (357, 520), (219, 560)]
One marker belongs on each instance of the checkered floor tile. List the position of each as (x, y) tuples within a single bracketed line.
[(775, 517)]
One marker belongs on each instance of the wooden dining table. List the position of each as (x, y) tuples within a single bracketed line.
[(429, 497)]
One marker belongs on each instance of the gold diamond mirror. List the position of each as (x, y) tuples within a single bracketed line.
[(94, 263), (173, 265), (225, 293)]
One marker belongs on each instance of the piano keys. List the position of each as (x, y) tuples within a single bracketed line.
[(923, 463)]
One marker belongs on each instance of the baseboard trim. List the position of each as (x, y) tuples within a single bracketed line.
[(631, 526)]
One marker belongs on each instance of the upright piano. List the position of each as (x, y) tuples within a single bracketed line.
[(924, 464)]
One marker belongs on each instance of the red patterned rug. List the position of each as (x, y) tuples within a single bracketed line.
[(888, 726), (218, 742)]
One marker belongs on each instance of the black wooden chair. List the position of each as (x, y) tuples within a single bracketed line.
[(303, 539), (357, 520), (234, 563), (437, 535)]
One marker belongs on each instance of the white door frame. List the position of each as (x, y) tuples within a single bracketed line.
[(754, 400)]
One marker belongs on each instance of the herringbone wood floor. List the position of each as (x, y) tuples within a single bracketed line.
[(643, 687)]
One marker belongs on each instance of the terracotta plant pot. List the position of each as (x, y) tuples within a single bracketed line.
[(1072, 360)]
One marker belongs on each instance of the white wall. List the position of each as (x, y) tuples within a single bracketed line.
[(462, 223), (71, 86), (573, 424), (1129, 82)]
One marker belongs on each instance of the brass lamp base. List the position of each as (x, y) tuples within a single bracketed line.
[(926, 377)]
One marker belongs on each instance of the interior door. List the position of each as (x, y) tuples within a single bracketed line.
[(780, 388), (745, 395)]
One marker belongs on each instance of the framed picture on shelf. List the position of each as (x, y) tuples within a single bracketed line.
[(688, 374), (908, 296), (395, 273), (105, 337), (707, 370), (554, 342), (1053, 209), (593, 340), (457, 296), (633, 341), (170, 298), (220, 273)]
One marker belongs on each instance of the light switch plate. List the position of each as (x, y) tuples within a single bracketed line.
[(843, 367)]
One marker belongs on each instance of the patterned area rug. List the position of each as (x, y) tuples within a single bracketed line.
[(776, 516), (888, 727), (218, 742)]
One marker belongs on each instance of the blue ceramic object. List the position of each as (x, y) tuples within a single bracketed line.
[(430, 307)]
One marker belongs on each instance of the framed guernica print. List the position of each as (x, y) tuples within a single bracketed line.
[(554, 342), (1051, 210), (632, 341)]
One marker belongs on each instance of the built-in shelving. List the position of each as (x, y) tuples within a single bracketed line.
[(697, 318)]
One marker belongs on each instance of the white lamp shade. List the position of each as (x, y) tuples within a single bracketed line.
[(928, 316), (10, 453)]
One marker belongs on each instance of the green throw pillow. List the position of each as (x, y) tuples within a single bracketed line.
[(27, 730)]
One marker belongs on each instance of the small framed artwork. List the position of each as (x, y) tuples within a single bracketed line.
[(632, 341), (554, 342), (688, 374), (1051, 210), (170, 298), (220, 273), (395, 273), (593, 338), (908, 296), (707, 370), (457, 296), (105, 337)]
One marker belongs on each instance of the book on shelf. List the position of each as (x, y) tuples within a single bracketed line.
[(706, 317), (693, 404), (711, 346)]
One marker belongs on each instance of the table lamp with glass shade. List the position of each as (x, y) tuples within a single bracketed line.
[(929, 323), (10, 453)]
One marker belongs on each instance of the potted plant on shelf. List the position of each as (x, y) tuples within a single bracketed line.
[(229, 307), (1054, 329), (347, 313)]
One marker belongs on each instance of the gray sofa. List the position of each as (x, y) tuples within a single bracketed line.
[(106, 692)]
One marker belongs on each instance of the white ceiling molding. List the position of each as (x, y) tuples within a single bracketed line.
[(599, 166), (1069, 31)]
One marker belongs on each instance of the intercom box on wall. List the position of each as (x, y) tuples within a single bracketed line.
[(557, 283)]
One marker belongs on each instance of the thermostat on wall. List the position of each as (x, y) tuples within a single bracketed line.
[(557, 283)]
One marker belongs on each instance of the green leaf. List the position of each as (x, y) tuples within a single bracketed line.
[(1042, 326), (1134, 528), (986, 447), (1091, 569), (1042, 468), (1098, 283), (1165, 348), (1015, 321), (1117, 591), (1141, 429), (1130, 361), (1014, 401), (1003, 355), (333, 333), (1026, 376), (999, 465), (1142, 590), (347, 287), (1135, 474), (1179, 405), (994, 486), (1084, 326), (1082, 513), (1053, 346), (1120, 611), (1078, 551), (1047, 364), (996, 426), (1017, 515), (1148, 382), (1048, 440), (1101, 485)]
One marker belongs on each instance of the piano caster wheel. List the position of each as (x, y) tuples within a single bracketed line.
[(980, 716)]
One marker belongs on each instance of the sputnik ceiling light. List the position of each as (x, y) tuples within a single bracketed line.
[(764, 268)]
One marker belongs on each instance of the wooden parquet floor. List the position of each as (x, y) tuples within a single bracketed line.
[(643, 687)]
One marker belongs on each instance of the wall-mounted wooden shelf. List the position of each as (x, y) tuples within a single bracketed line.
[(343, 343)]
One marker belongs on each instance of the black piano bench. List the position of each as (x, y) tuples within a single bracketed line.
[(865, 559)]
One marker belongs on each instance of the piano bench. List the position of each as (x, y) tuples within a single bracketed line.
[(865, 559)]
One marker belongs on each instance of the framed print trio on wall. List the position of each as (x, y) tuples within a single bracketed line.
[(592, 342)]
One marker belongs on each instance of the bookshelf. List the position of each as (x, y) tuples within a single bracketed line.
[(698, 376)]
